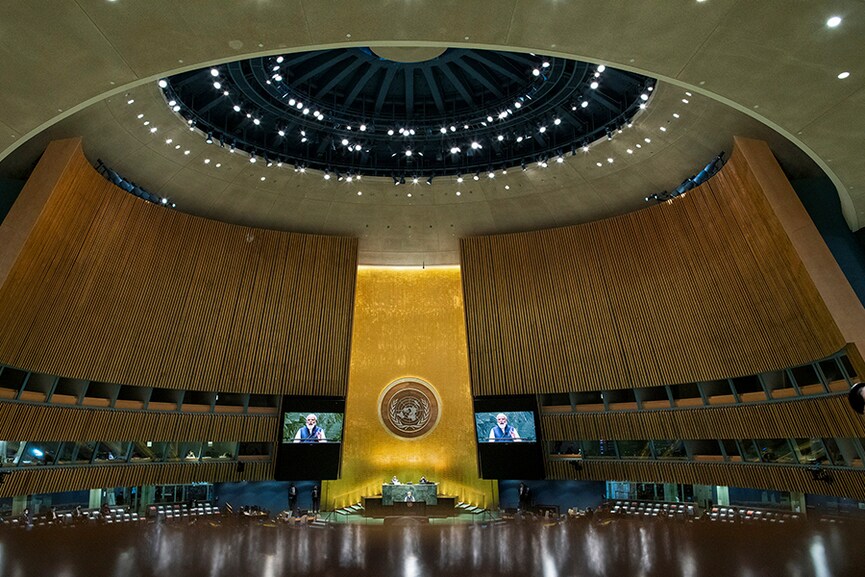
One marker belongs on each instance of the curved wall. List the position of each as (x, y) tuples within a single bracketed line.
[(107, 287), (704, 287)]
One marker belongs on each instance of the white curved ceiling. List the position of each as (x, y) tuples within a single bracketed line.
[(775, 60)]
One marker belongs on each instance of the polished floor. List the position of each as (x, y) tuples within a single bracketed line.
[(620, 547)]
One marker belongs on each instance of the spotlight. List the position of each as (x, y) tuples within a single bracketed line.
[(395, 180), (414, 179), (209, 139), (429, 180), (459, 178), (477, 175), (402, 179), (326, 174), (490, 173)]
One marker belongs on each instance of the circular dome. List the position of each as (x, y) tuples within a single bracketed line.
[(352, 111)]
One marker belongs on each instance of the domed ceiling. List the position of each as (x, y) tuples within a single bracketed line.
[(352, 111)]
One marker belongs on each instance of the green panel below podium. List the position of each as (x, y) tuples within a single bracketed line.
[(445, 507)]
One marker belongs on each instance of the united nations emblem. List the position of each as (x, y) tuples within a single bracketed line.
[(409, 408)]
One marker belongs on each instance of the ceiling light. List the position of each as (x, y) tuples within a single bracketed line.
[(477, 176), (458, 193), (236, 108), (390, 132), (130, 101), (414, 180), (833, 22), (163, 83), (345, 141), (500, 137), (363, 127), (292, 101), (214, 72), (209, 139), (252, 158), (843, 75), (557, 121), (453, 128), (443, 130), (455, 149), (584, 103), (542, 129), (489, 118), (560, 159), (601, 67), (491, 174), (593, 85), (536, 72), (256, 121), (280, 59), (326, 174), (429, 180), (644, 96), (217, 85), (206, 161), (519, 138), (408, 152), (280, 132), (476, 145), (459, 178), (518, 104)]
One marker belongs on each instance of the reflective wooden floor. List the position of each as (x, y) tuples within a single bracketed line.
[(617, 548)]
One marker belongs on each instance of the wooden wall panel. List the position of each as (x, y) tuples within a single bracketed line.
[(846, 483), (703, 287), (110, 288), (822, 417), (26, 422), (29, 481)]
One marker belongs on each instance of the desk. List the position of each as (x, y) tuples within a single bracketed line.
[(426, 493)]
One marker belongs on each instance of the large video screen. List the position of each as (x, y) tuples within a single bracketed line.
[(509, 446), (310, 438), (313, 427), (505, 427)]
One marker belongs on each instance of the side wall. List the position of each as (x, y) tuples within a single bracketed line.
[(708, 286), (104, 286)]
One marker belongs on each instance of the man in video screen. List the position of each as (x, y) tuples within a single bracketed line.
[(502, 432), (311, 433)]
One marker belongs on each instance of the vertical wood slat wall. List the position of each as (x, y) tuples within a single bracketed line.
[(803, 418), (32, 422), (775, 477), (110, 288), (53, 479), (704, 287)]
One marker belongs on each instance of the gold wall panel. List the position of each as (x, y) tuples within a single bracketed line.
[(845, 483), (409, 323), (110, 288), (703, 287)]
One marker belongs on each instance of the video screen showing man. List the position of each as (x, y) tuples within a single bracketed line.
[(311, 432), (503, 432)]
